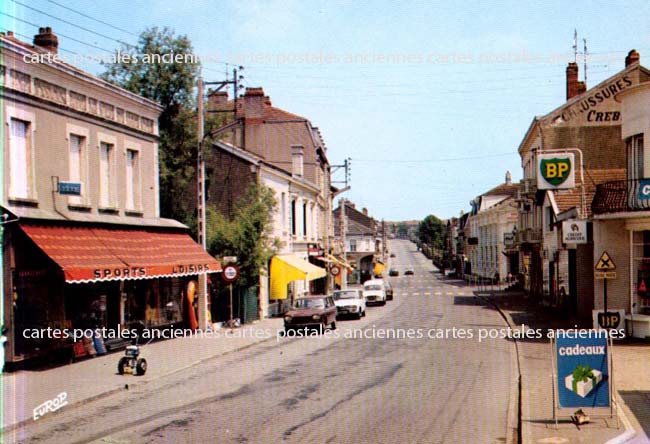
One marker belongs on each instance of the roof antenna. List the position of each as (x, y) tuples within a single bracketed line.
[(575, 45), (584, 41)]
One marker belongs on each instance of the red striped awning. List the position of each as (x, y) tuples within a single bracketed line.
[(105, 254)]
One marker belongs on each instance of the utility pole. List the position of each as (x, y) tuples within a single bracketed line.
[(200, 193), (203, 314)]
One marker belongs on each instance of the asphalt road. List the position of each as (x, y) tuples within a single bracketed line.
[(334, 389)]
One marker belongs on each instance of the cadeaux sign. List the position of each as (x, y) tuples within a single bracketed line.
[(583, 373)]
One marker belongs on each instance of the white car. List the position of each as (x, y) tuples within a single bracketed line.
[(349, 302), (374, 291)]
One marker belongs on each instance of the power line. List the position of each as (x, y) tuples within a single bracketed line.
[(70, 23), (29, 38), (93, 18), (454, 159), (62, 35)]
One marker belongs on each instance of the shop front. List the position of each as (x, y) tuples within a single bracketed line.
[(290, 277), (66, 278)]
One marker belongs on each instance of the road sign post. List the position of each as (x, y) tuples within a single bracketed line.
[(605, 269), (230, 274)]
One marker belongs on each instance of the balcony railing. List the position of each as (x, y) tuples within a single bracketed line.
[(528, 236), (622, 196)]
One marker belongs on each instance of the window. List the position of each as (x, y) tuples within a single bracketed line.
[(550, 218), (353, 245), (304, 219), (20, 165), (106, 175), (293, 217), (283, 215), (76, 164), (132, 180), (297, 159), (635, 168)]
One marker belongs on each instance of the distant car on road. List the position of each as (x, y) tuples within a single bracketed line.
[(389, 290), (392, 255), (349, 302), (409, 272), (393, 272), (311, 312), (374, 291)]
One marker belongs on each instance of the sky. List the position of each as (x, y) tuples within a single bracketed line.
[(429, 100)]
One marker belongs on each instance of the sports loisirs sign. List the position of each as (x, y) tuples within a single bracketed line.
[(555, 171)]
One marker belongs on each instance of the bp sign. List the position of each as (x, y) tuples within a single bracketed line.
[(583, 378), (555, 171)]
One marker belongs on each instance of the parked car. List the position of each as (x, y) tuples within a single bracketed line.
[(409, 272), (393, 272), (374, 291), (311, 312), (389, 290), (349, 302), (392, 255)]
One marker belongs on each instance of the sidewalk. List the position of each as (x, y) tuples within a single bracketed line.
[(631, 377), (94, 378)]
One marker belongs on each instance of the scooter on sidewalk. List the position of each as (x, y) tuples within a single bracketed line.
[(131, 362)]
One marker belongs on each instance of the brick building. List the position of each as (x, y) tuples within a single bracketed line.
[(286, 153), (587, 127)]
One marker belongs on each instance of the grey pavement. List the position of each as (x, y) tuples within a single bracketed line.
[(94, 378), (342, 389), (631, 378)]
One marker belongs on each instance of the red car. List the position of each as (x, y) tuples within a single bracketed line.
[(318, 312)]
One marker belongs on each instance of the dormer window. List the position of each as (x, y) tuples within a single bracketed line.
[(297, 159)]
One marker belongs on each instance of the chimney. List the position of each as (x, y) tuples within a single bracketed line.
[(573, 86), (508, 178), (632, 58), (47, 40), (297, 160), (253, 103), (364, 211), (217, 100)]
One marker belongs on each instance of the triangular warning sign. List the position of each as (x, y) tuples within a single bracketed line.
[(605, 263), (642, 288)]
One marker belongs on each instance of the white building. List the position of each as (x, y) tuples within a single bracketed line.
[(493, 216)]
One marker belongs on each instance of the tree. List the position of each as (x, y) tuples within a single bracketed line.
[(432, 231), (246, 235), (170, 84)]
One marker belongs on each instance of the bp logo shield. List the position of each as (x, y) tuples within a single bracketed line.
[(555, 171)]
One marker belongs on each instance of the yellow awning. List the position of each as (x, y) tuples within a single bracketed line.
[(288, 268), (340, 262)]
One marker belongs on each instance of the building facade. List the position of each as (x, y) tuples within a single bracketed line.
[(587, 128), (493, 215), (83, 242), (621, 225), (286, 153)]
